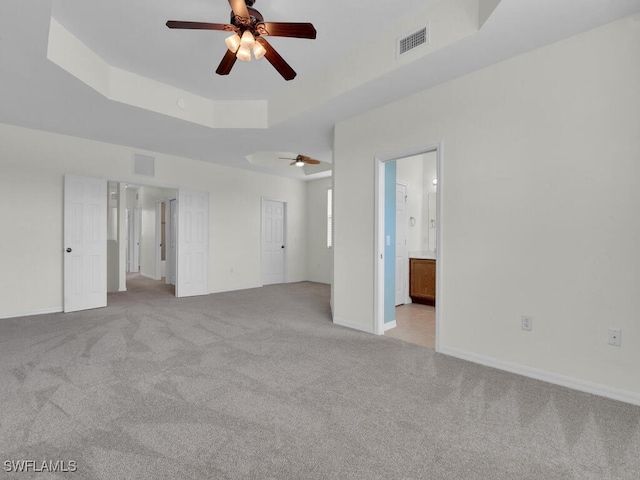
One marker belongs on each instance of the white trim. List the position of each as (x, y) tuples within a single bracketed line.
[(379, 160), (378, 303), (545, 376), (137, 182), (237, 289), (354, 326), (44, 311), (329, 219), (158, 237), (389, 325), (405, 286), (438, 248)]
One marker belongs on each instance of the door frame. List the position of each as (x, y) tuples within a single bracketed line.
[(378, 294), (405, 286), (134, 233), (140, 183), (158, 251), (171, 228), (285, 213), (158, 233)]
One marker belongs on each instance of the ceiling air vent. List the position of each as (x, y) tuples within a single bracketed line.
[(421, 37), (143, 165)]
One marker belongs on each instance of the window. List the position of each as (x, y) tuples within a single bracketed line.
[(329, 218)]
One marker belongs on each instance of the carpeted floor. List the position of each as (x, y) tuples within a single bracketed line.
[(259, 384)]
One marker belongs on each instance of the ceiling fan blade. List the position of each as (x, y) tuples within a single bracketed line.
[(227, 63), (239, 8), (286, 158), (293, 163), (286, 29), (277, 61), (309, 160), (201, 25)]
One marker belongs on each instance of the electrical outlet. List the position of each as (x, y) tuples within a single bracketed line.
[(527, 322), (614, 336)]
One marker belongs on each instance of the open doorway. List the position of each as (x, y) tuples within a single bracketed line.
[(407, 204), (95, 237), (149, 238)]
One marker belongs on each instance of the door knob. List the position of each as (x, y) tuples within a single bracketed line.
[(68, 250)]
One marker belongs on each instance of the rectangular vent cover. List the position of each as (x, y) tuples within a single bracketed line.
[(414, 40), (143, 165)]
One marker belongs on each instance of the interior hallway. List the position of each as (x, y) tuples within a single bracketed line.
[(140, 284)]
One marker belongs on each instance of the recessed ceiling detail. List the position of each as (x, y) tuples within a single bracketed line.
[(124, 51), (458, 18), (70, 54)]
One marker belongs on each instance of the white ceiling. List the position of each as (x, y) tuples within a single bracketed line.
[(132, 35)]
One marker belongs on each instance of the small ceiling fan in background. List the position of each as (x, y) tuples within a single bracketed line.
[(249, 29), (302, 160)]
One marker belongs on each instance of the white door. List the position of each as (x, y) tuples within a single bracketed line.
[(172, 235), (85, 243), (193, 244), (273, 247), (402, 259)]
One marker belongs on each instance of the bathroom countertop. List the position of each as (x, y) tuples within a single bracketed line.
[(428, 255)]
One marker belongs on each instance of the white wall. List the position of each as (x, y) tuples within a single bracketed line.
[(418, 172), (409, 171), (540, 189), (319, 257), (32, 166), (112, 212), (429, 190)]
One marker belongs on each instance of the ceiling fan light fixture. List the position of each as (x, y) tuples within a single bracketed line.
[(299, 163), (244, 54), (258, 51), (247, 40), (233, 42)]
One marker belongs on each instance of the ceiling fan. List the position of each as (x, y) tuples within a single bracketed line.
[(249, 29), (302, 160)]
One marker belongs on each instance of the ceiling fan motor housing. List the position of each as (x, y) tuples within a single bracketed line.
[(254, 17)]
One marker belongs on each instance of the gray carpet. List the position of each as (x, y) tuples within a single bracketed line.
[(260, 384)]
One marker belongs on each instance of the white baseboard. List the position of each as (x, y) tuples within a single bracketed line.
[(389, 326), (28, 314), (355, 326), (555, 378), (235, 289)]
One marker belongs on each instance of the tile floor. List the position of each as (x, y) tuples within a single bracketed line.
[(416, 324)]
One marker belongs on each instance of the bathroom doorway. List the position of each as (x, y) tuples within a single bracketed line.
[(407, 250)]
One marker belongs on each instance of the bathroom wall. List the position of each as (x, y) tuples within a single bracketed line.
[(418, 172)]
